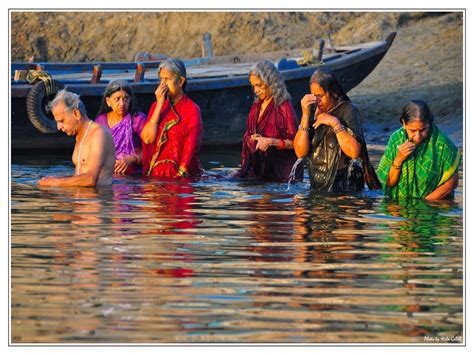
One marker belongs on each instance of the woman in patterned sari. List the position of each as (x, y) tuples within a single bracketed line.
[(420, 161), (334, 141), (119, 114), (173, 130)]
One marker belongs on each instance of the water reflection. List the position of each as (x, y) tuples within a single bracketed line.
[(226, 261), (271, 233), (423, 225)]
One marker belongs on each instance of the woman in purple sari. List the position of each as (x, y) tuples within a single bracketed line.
[(267, 147), (119, 114)]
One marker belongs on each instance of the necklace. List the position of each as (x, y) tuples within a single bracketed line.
[(78, 166)]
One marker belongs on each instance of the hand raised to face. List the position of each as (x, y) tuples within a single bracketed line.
[(307, 101), (161, 92), (405, 150)]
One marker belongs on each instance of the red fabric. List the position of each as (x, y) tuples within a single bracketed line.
[(183, 141), (276, 122), (172, 204)]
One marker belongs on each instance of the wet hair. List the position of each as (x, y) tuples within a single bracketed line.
[(329, 83), (269, 74), (176, 66), (112, 88), (71, 101), (416, 110)]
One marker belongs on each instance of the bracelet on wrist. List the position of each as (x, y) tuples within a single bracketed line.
[(281, 144), (339, 128), (396, 166), (305, 129)]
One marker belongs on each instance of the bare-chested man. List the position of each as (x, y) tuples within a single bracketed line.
[(94, 153)]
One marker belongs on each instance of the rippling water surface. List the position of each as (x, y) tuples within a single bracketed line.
[(228, 261)]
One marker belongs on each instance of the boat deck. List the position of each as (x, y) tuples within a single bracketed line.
[(202, 71), (196, 69)]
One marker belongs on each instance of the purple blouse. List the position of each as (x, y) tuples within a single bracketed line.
[(126, 133)]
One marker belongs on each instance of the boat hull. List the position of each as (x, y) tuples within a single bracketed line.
[(224, 103)]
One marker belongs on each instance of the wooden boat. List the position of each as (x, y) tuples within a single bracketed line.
[(218, 84)]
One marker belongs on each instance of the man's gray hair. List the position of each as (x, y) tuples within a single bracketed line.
[(269, 74), (70, 100)]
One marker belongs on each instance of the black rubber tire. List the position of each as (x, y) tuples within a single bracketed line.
[(36, 103)]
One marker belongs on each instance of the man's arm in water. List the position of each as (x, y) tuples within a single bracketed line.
[(96, 161)]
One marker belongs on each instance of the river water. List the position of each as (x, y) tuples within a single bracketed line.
[(226, 261)]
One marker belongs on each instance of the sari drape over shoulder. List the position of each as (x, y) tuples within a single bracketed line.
[(126, 133), (177, 144), (433, 162), (277, 121), (325, 154)]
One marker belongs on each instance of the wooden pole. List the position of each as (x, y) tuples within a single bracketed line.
[(96, 74), (206, 45), (320, 50)]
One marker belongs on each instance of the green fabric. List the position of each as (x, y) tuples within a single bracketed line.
[(433, 162)]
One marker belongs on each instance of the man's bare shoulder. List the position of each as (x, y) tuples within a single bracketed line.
[(99, 129), (103, 143), (100, 132)]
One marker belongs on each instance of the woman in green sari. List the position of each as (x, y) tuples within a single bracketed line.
[(420, 161)]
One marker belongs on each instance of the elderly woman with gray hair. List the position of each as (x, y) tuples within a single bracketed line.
[(173, 131), (267, 148)]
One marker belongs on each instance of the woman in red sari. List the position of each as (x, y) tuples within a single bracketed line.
[(267, 147), (173, 131)]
